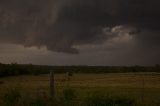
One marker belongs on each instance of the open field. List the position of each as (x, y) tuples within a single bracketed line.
[(143, 87)]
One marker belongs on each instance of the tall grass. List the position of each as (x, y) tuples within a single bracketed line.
[(12, 97), (68, 98)]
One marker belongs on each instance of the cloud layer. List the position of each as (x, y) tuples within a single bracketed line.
[(68, 25)]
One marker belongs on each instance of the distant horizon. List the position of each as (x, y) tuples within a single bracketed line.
[(82, 65)]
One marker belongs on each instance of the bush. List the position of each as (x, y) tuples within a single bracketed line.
[(69, 94), (70, 74), (124, 101), (102, 100), (12, 97), (38, 102)]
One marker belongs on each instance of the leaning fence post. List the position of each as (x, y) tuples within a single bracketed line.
[(52, 84)]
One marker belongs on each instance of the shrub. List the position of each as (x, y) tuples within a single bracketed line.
[(124, 101), (12, 97), (70, 74), (69, 94), (102, 100), (38, 101)]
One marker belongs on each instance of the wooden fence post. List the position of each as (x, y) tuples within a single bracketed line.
[(52, 84)]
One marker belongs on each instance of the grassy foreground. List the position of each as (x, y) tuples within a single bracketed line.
[(82, 89)]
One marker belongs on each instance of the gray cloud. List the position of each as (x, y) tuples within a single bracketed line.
[(62, 25)]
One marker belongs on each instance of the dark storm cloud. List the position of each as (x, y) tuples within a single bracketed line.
[(60, 25)]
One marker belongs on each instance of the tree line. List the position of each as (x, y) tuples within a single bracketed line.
[(14, 69)]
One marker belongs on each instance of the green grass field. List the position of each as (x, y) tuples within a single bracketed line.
[(143, 87)]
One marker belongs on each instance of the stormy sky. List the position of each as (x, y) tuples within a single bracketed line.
[(80, 32)]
